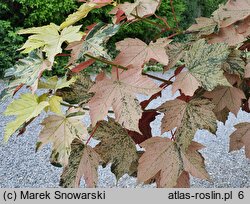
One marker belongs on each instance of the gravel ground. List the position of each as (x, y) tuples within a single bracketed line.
[(20, 166)]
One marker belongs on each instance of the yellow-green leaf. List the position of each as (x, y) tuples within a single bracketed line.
[(78, 91), (54, 83), (54, 104), (116, 147), (27, 72), (204, 62), (50, 38), (25, 108), (81, 13), (61, 131)]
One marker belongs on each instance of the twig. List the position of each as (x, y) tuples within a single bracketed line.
[(68, 105), (173, 11), (157, 78), (74, 106), (148, 21)]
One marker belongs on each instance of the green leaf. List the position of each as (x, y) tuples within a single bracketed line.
[(235, 64), (198, 115), (27, 71), (81, 13), (54, 83), (61, 131), (94, 42), (77, 93), (55, 104), (50, 39), (204, 62), (116, 147), (83, 162), (25, 108)]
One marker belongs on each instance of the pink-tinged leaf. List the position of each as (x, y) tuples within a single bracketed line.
[(227, 35), (186, 82), (88, 167), (142, 8), (241, 138), (120, 94), (83, 162), (193, 161), (165, 162), (231, 12), (183, 180), (135, 52), (230, 97)]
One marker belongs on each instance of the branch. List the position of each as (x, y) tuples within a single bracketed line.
[(148, 21), (106, 62), (74, 106), (167, 82)]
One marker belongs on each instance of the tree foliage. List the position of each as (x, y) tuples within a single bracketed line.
[(211, 74)]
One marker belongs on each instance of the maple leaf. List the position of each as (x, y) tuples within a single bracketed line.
[(27, 71), (230, 97), (94, 42), (244, 27), (116, 147), (83, 11), (54, 83), (55, 104), (25, 108), (135, 52), (83, 162), (162, 156), (233, 79), (164, 160), (204, 26), (49, 38), (187, 118), (240, 138), (77, 93), (61, 130), (231, 12), (183, 180), (222, 115), (204, 62), (142, 8), (235, 64), (227, 35), (175, 53), (120, 94), (186, 82), (174, 112), (193, 161)]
